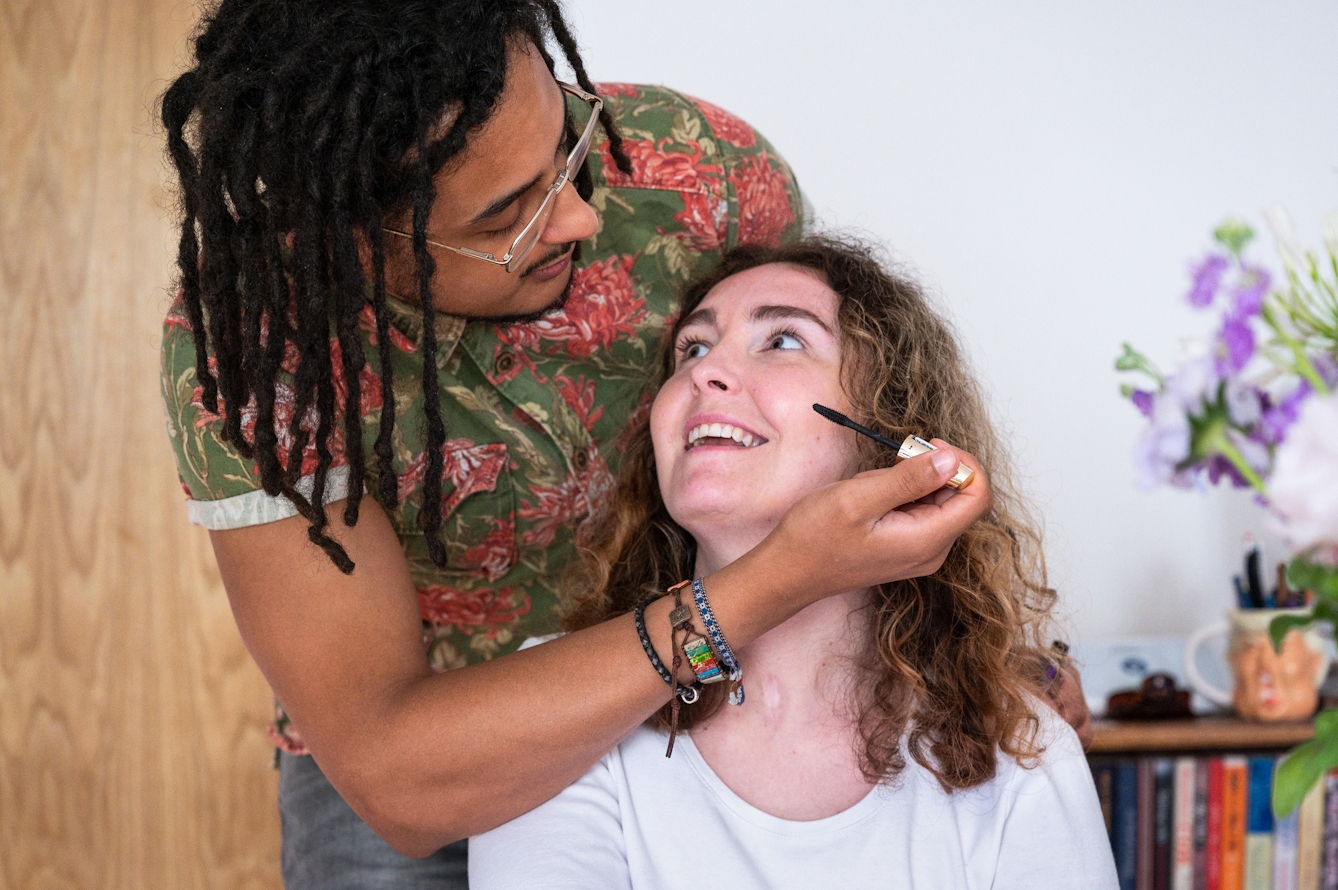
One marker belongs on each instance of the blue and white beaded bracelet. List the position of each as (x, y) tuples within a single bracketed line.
[(727, 659)]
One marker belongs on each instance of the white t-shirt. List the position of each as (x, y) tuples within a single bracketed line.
[(637, 820)]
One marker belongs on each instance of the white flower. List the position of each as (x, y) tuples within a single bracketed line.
[(1194, 382), (1304, 486), (1163, 444), (1286, 240), (1329, 232), (1243, 403)]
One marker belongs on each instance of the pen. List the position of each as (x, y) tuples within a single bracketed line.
[(912, 446), (1252, 580)]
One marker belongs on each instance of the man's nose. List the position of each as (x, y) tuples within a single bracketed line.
[(572, 219)]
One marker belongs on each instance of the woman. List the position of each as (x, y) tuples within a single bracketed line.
[(889, 735)]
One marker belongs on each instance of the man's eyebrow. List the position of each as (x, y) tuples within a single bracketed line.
[(511, 197), (764, 313)]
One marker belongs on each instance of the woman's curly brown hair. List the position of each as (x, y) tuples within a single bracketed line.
[(950, 665)]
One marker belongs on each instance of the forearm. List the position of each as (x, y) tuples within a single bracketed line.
[(518, 729)]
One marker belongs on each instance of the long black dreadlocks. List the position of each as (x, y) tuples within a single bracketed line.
[(308, 122)]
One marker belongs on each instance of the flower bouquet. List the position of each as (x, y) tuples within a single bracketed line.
[(1257, 407)]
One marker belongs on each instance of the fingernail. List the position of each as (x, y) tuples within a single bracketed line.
[(944, 461)]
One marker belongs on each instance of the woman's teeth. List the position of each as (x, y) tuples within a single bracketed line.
[(700, 433)]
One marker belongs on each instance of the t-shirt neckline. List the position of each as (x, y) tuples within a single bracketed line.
[(862, 809)]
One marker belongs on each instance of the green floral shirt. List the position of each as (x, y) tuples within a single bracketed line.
[(533, 412)]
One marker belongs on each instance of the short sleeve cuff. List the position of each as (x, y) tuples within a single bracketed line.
[(258, 508)]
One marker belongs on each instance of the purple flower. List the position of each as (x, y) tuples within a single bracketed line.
[(1235, 345), (1249, 292), (1278, 419), (1219, 466), (1327, 368), (1207, 277), (1142, 400)]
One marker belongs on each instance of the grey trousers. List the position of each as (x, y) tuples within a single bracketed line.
[(327, 847)]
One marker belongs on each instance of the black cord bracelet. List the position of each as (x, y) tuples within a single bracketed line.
[(687, 693), (639, 616)]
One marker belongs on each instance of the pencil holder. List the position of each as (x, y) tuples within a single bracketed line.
[(1268, 684)]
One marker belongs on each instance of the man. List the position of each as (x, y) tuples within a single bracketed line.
[(402, 275)]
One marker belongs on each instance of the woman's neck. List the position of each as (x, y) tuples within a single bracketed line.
[(792, 749)]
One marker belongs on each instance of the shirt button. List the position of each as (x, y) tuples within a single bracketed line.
[(505, 362), (581, 460)]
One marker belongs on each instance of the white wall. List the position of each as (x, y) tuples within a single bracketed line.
[(1048, 168)]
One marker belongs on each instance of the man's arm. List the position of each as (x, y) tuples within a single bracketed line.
[(427, 758)]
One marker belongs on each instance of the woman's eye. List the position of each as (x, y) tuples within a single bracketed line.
[(786, 341), (696, 349)]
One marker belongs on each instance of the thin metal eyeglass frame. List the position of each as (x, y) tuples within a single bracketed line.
[(515, 257)]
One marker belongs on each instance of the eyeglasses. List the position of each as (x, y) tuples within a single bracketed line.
[(523, 246)]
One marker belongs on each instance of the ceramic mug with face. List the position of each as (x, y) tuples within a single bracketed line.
[(1268, 684)]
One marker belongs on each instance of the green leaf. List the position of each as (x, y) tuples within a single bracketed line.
[(1127, 389), (1305, 764), (1282, 625), (1233, 234), (1305, 575), (1133, 360)]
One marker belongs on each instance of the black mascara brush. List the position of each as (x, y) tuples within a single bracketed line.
[(912, 446)]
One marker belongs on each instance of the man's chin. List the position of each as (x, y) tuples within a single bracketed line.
[(527, 317), (555, 305)]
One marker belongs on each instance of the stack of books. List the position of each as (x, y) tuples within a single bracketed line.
[(1206, 823)]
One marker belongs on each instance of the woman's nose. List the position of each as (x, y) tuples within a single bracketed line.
[(715, 372)]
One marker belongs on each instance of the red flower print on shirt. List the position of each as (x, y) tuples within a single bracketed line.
[(468, 610), (617, 89), (579, 394), (706, 218), (726, 126), (367, 322), (470, 468), (654, 167), (285, 403), (603, 308), (496, 553), (577, 498), (764, 204)]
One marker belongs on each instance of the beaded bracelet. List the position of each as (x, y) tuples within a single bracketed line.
[(732, 666), (687, 693), (696, 648)]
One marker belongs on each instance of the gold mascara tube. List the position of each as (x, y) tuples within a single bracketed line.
[(912, 446)]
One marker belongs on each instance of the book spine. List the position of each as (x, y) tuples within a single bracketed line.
[(1103, 774), (1213, 857), (1163, 771), (1285, 831), (1235, 791), (1124, 822), (1182, 862), (1201, 823), (1310, 838), (1329, 873), (1147, 817), (1259, 825)]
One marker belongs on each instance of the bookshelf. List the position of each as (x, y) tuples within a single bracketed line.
[(1198, 734), (1187, 804)]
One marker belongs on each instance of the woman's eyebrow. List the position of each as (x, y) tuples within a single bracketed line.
[(698, 316), (766, 313)]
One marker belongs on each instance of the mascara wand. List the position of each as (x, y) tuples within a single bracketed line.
[(912, 446)]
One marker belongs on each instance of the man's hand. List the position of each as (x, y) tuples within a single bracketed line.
[(1064, 694)]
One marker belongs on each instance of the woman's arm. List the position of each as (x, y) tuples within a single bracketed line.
[(426, 759)]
